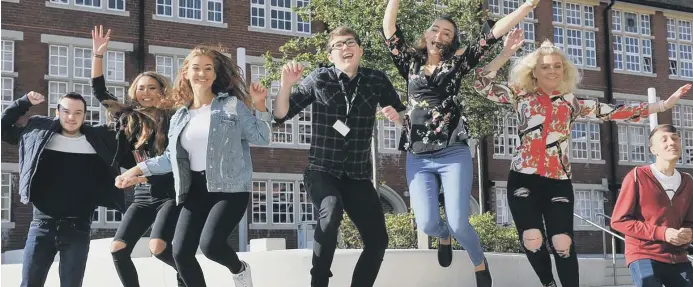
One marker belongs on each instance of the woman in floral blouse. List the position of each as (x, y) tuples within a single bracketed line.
[(434, 129), (539, 186)]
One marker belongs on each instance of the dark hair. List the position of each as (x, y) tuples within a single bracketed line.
[(341, 31), (667, 128), (454, 45), (74, 96)]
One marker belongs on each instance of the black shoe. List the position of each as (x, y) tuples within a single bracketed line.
[(483, 277), (552, 284), (444, 254), (180, 281)]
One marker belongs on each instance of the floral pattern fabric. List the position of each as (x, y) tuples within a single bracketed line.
[(545, 123), (434, 118)]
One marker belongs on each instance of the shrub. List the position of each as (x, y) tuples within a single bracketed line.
[(402, 232)]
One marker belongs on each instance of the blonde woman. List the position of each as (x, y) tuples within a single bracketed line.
[(540, 191)]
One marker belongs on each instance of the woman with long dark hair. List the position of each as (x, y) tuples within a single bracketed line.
[(209, 155), (435, 131), (144, 122)]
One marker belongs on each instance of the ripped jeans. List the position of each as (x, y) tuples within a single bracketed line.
[(536, 201)]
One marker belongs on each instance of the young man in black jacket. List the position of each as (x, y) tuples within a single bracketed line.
[(67, 169)]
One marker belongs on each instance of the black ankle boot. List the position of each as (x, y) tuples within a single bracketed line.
[(483, 277), (445, 254)]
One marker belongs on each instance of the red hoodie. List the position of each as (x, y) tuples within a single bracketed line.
[(644, 211)]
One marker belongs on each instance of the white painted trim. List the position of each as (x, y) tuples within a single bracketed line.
[(168, 51), (635, 8), (177, 19), (588, 68), (590, 186), (8, 224), (398, 204), (499, 183), (11, 75), (103, 9), (642, 74), (12, 34), (677, 15), (624, 96), (589, 93), (10, 167), (83, 42), (680, 78), (277, 176), (254, 59), (10, 1), (283, 33), (685, 102)]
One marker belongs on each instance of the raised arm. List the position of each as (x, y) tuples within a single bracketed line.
[(634, 112), (390, 19), (256, 127), (486, 83), (11, 130), (98, 83), (288, 104), (511, 20)]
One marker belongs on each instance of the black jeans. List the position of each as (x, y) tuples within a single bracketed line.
[(207, 219), (534, 201), (159, 213), (70, 237), (332, 196)]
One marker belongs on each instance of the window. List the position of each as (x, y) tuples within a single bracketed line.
[(6, 197), (501, 8), (574, 32), (292, 133), (169, 66), (588, 203), (199, 12), (633, 139), (507, 139), (106, 218), (278, 16), (69, 69), (113, 7), (585, 139), (281, 203), (680, 48), (389, 135), (8, 73), (503, 215), (682, 118), (632, 42)]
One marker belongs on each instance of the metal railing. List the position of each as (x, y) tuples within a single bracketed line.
[(613, 240)]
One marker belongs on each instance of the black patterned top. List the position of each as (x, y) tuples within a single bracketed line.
[(434, 119)]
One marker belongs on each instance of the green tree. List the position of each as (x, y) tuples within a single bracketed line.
[(365, 17)]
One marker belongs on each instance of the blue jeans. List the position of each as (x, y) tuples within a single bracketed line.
[(46, 238), (650, 273), (452, 167)]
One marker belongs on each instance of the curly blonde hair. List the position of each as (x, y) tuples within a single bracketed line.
[(229, 77), (522, 78)]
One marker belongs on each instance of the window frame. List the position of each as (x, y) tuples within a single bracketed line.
[(686, 132), (583, 28), (267, 18), (103, 8), (11, 75), (269, 179), (9, 197), (678, 43), (621, 36), (528, 24), (204, 14), (644, 123)]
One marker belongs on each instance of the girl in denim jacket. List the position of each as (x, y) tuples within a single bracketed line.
[(209, 155)]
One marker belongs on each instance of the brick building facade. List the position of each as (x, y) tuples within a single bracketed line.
[(45, 49)]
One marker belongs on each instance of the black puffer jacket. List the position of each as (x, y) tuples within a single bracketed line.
[(33, 136)]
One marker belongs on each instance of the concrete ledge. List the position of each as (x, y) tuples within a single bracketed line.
[(290, 268), (267, 244)]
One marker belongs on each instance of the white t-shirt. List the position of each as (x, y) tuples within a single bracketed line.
[(195, 136), (59, 142), (669, 183)]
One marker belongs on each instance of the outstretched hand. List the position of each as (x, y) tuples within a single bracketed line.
[(514, 41), (100, 41), (676, 96)]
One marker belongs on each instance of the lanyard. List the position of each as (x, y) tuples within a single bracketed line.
[(349, 103)]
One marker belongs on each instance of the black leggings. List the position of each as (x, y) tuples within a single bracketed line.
[(534, 201), (159, 213), (207, 219)]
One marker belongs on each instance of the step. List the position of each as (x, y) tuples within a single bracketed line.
[(620, 279), (620, 271)]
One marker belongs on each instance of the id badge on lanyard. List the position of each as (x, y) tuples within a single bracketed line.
[(340, 126)]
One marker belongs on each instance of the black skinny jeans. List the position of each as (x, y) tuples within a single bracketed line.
[(159, 213), (207, 219), (332, 196), (534, 201)]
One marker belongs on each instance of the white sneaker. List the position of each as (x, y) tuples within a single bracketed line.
[(243, 279)]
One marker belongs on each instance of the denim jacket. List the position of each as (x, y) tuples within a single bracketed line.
[(231, 131)]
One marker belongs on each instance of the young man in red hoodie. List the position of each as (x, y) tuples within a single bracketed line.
[(655, 213)]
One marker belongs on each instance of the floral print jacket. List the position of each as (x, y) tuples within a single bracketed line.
[(544, 123), (434, 118)]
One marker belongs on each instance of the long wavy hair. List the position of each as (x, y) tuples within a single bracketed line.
[(139, 122), (421, 48), (229, 77), (522, 78)]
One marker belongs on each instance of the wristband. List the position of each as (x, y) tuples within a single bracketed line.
[(98, 56)]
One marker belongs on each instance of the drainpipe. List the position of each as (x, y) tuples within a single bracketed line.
[(614, 186), (141, 55)]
